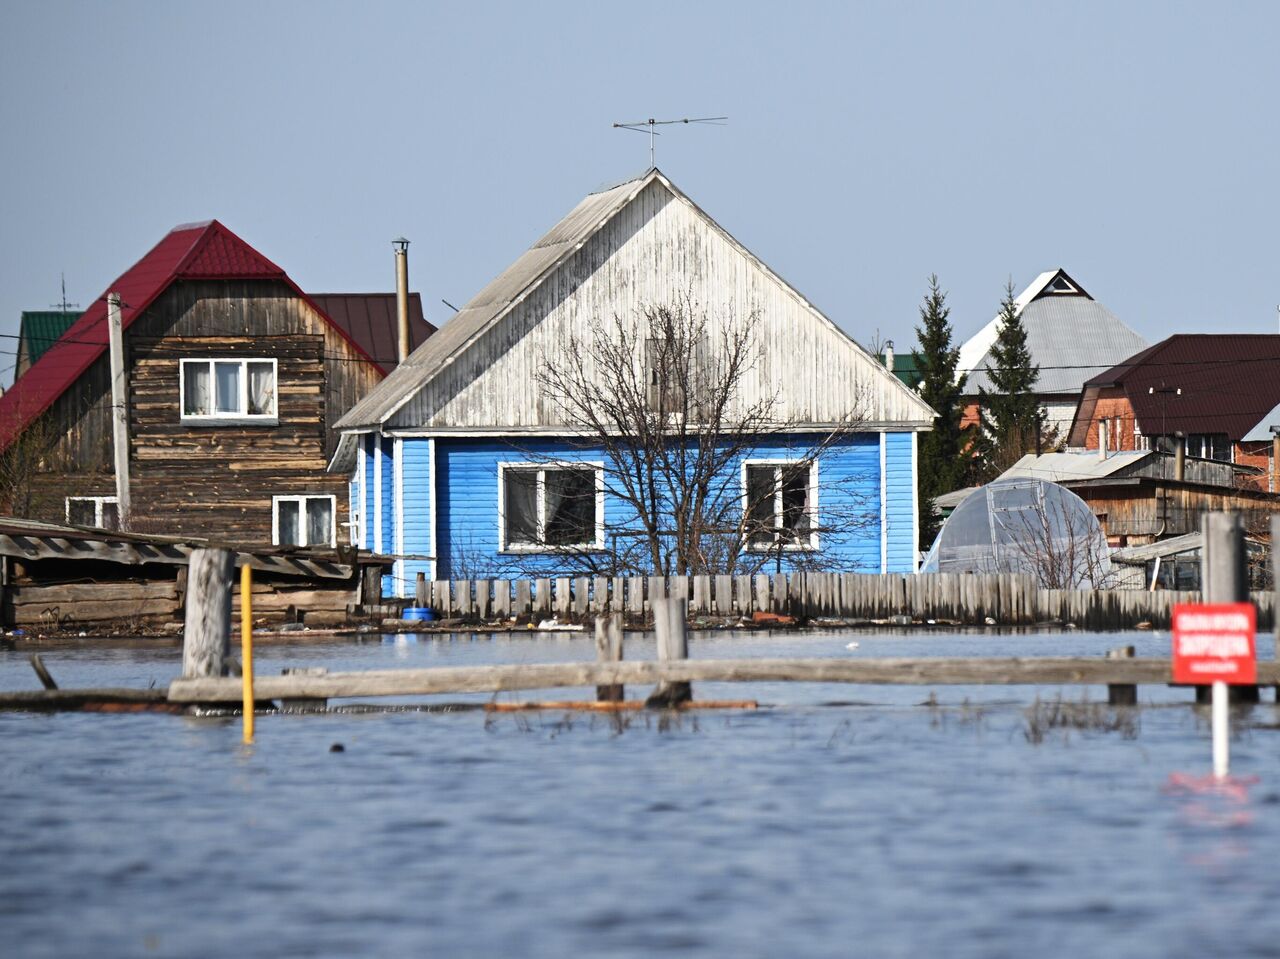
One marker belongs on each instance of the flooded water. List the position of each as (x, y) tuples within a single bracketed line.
[(879, 827)]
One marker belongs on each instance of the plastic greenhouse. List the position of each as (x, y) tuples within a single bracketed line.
[(1023, 526)]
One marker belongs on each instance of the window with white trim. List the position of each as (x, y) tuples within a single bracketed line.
[(228, 389), (303, 520), (102, 512), (780, 499), (544, 508)]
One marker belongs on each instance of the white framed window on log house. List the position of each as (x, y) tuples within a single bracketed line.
[(304, 520), (550, 507), (228, 390), (780, 504), (102, 512)]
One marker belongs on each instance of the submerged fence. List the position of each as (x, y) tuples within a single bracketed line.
[(1004, 599)]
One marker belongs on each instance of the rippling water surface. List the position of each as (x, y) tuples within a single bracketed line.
[(876, 827)]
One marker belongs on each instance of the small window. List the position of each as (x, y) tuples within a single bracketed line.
[(228, 389), (102, 512), (550, 508), (303, 521), (780, 500)]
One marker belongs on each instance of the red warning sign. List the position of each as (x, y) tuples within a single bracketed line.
[(1214, 643)]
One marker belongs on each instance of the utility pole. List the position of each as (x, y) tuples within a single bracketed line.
[(119, 409)]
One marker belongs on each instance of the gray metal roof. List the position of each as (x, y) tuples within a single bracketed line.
[(483, 309), (1072, 339), (1063, 467)]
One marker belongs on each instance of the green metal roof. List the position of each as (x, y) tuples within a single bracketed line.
[(41, 328), (905, 369)]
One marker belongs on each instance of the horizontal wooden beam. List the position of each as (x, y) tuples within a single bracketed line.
[(491, 679), (106, 700), (136, 553)]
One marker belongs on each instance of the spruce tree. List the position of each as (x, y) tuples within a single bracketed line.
[(943, 463), (1011, 418)]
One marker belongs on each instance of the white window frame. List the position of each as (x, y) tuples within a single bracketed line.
[(303, 526), (238, 417), (98, 502), (811, 510), (597, 466)]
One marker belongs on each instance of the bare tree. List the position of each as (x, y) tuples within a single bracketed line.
[(24, 464), (664, 399), (1062, 547)]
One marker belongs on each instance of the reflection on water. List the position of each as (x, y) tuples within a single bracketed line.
[(908, 824)]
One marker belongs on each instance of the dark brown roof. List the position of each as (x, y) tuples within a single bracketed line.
[(1229, 382), (370, 320)]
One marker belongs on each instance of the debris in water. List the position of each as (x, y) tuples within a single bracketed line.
[(337, 748)]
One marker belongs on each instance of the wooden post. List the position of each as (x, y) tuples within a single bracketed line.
[(440, 597), (1224, 579), (609, 650), (371, 586), (421, 597), (1122, 694), (206, 638), (502, 598), (119, 409), (670, 625)]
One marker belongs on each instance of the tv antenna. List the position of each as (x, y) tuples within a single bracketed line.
[(650, 126), (64, 305)]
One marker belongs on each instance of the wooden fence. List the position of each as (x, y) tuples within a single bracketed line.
[(1004, 599)]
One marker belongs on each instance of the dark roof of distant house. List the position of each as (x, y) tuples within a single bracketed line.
[(370, 320), (206, 251), (40, 328), (1229, 383)]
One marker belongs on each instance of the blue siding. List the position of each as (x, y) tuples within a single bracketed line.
[(899, 504), (370, 493), (416, 464), (467, 502)]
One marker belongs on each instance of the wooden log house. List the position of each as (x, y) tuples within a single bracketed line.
[(235, 379)]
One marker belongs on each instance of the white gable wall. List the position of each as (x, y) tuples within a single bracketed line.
[(655, 251)]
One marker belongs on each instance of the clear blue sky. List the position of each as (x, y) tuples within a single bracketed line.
[(869, 144)]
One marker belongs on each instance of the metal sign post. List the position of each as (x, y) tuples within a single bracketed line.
[(1215, 643)]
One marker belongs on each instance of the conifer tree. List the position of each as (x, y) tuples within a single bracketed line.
[(1011, 418), (943, 464)]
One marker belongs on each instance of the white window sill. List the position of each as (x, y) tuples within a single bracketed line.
[(552, 550), (230, 421), (792, 548)]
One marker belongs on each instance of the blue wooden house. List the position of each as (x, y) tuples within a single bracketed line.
[(460, 465)]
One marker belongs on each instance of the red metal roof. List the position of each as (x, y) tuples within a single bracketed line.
[(192, 251), (1229, 382), (370, 319)]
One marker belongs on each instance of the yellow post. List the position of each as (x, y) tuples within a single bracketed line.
[(246, 646)]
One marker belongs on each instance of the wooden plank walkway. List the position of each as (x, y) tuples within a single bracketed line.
[(494, 679)]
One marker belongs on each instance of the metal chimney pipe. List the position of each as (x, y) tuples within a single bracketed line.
[(401, 246), (1102, 439), (888, 355)]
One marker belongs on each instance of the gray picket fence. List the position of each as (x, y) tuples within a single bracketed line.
[(1004, 599)]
